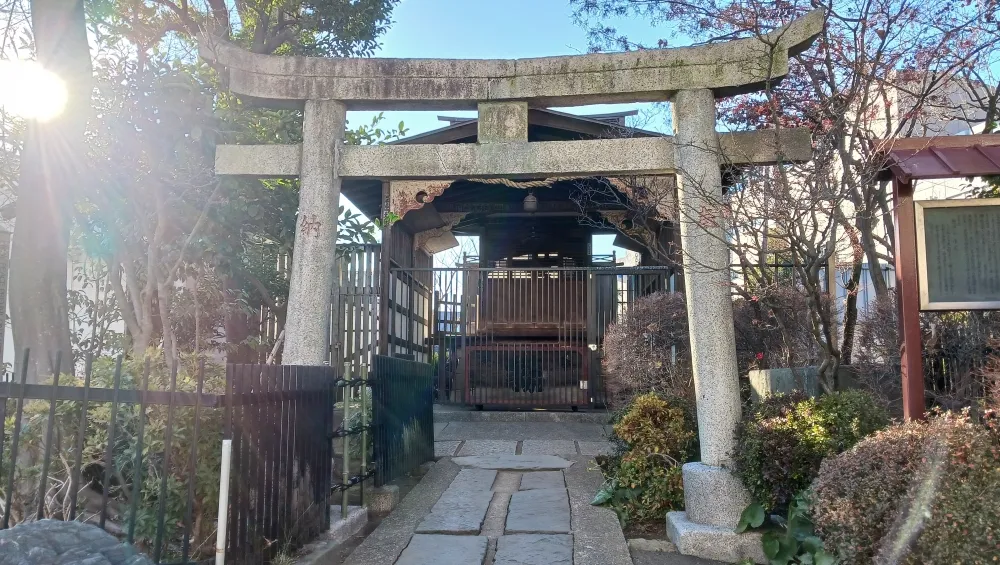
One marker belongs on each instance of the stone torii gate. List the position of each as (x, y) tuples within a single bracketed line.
[(502, 91)]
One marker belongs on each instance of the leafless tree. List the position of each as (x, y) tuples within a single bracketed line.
[(872, 76)]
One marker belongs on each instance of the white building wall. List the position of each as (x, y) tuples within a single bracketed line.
[(950, 112)]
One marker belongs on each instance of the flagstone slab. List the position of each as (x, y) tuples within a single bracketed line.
[(488, 447), (471, 480), (514, 462), (462, 508), (548, 447), (457, 516), (534, 549), (432, 549), (543, 511), (542, 480)]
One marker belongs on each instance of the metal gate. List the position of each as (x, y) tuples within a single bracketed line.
[(402, 416), (527, 337)]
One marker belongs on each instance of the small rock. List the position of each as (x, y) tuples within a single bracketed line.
[(657, 545), (52, 542)]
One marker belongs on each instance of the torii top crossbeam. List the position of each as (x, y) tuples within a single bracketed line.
[(728, 68), (503, 90)]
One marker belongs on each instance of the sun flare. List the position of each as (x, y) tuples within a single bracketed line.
[(30, 91)]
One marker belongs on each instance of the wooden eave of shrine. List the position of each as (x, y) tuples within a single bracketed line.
[(941, 157)]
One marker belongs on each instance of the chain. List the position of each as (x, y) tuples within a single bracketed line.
[(340, 487)]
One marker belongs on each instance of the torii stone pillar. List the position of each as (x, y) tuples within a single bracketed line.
[(710, 305), (312, 278), (713, 496)]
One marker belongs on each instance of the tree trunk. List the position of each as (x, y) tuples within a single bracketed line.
[(851, 313), (237, 326), (874, 265), (52, 162)]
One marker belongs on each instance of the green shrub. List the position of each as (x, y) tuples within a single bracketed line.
[(916, 493), (782, 441), (849, 416), (787, 541), (643, 480), (658, 488), (657, 425), (95, 440)]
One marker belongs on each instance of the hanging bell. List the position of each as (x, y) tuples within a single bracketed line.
[(530, 203)]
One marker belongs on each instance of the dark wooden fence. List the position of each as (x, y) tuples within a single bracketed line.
[(135, 449), (280, 420), (403, 416)]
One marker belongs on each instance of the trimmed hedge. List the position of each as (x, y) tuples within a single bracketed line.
[(782, 441), (916, 493)]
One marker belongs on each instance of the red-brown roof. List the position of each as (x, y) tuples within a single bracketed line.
[(945, 157)]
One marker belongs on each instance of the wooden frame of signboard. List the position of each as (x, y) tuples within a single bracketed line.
[(909, 160), (927, 301)]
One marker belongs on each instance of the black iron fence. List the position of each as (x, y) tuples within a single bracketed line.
[(403, 416), (409, 309), (136, 450)]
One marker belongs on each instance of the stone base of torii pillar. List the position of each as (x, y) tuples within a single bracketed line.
[(707, 528), (714, 498)]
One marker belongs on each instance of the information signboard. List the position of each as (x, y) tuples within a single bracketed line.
[(958, 254)]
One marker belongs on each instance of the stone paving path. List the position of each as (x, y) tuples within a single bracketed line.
[(555, 438), (509, 516), (500, 510), (511, 488)]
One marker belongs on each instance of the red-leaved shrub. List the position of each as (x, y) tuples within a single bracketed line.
[(647, 350), (915, 493)]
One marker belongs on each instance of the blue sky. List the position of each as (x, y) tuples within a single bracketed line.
[(488, 29), (491, 29)]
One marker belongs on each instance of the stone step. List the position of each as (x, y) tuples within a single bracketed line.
[(461, 414)]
